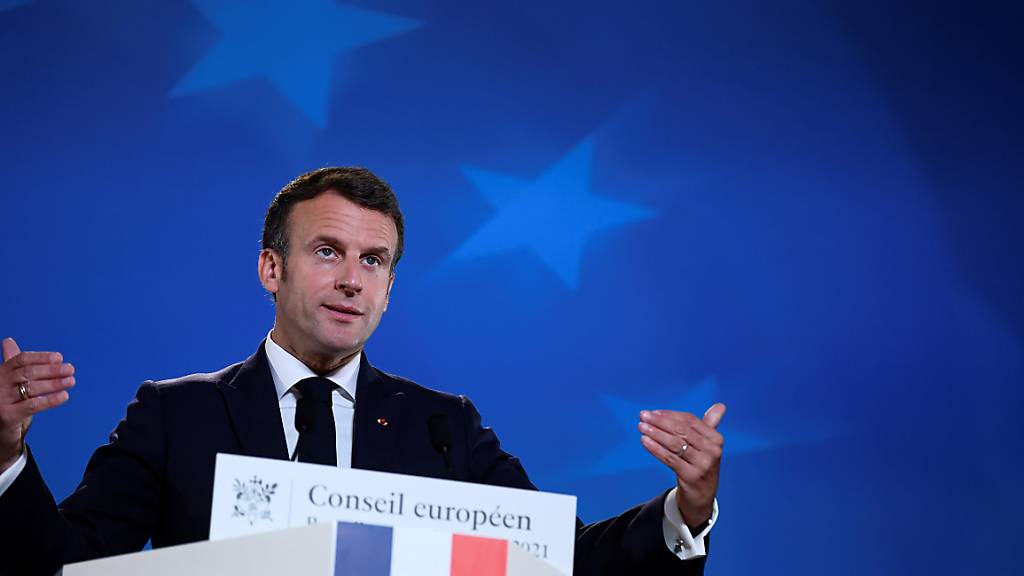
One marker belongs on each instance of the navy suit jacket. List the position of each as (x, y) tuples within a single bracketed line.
[(154, 479)]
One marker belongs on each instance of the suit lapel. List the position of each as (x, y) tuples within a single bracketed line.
[(254, 408), (377, 420)]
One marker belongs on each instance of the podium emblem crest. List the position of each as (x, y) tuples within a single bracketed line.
[(252, 500)]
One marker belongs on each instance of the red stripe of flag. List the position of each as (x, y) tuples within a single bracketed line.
[(476, 556)]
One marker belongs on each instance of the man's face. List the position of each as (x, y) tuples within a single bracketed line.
[(337, 282)]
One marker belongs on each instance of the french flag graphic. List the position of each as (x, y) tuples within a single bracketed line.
[(370, 550)]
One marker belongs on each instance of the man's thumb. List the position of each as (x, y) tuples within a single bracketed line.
[(713, 417), (10, 348)]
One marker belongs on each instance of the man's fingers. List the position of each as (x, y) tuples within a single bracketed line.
[(694, 442), (51, 401), (10, 348), (680, 424), (689, 473), (713, 416), (37, 404), (661, 453), (34, 372), (23, 359), (44, 387), (699, 453)]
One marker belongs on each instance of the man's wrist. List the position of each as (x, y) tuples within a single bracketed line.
[(680, 538), (697, 521), (8, 460), (696, 530)]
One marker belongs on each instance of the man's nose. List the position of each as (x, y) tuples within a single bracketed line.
[(349, 278)]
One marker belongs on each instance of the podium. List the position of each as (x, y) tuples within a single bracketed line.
[(329, 549)]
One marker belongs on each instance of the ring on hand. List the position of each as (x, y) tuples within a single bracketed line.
[(23, 390), (684, 448)]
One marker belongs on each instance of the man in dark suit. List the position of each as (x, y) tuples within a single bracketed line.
[(331, 241)]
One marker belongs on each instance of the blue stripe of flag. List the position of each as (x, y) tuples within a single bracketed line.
[(363, 549)]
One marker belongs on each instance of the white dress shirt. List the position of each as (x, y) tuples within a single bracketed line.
[(288, 370)]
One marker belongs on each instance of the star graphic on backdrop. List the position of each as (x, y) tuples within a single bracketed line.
[(553, 215), (293, 44), (631, 455)]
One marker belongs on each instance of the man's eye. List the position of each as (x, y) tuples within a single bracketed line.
[(372, 260), (325, 252)]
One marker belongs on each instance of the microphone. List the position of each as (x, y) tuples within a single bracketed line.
[(303, 421), (441, 439)]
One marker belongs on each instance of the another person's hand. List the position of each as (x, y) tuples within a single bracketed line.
[(30, 382), (692, 448)]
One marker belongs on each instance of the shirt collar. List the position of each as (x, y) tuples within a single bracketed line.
[(288, 370)]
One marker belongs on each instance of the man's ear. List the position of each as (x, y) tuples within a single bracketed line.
[(271, 270), (387, 296)]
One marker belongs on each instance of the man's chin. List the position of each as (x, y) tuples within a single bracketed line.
[(341, 347)]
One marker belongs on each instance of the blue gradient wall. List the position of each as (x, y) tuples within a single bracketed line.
[(809, 211)]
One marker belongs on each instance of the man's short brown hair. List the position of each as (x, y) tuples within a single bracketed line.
[(356, 184)]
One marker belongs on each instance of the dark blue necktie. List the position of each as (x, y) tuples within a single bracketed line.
[(314, 420)]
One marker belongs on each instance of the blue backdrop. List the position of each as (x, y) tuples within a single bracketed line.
[(807, 210)]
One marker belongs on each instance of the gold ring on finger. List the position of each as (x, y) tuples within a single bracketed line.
[(23, 390)]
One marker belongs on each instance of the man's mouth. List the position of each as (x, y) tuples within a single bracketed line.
[(341, 311)]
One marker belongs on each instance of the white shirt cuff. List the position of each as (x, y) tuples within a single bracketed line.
[(9, 475), (677, 534)]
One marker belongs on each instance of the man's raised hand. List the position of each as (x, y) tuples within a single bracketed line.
[(692, 448), (30, 382)]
